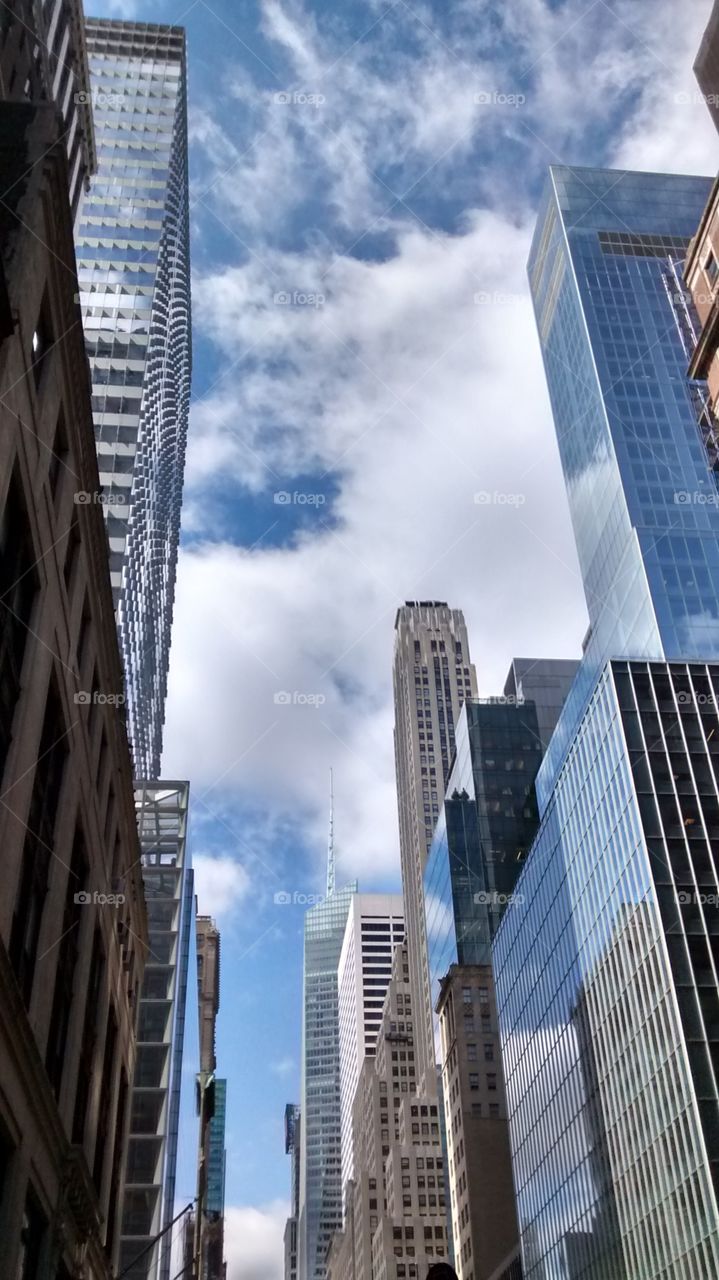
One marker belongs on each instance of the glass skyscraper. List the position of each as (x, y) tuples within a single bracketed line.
[(643, 503), (320, 1210), (134, 271), (606, 966)]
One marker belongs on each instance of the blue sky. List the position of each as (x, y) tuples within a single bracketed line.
[(364, 179)]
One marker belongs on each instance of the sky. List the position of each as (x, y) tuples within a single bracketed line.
[(369, 424)]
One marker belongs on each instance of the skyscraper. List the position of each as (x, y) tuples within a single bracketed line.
[(211, 1100), (375, 926), (606, 966), (149, 1192), (545, 682), (133, 265), (321, 1148), (432, 677)]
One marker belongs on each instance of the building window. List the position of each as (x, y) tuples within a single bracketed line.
[(66, 963), (489, 1053), (32, 1239), (473, 1080), (41, 341)]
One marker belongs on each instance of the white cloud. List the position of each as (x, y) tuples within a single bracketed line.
[(284, 1067), (254, 1247), (221, 884)]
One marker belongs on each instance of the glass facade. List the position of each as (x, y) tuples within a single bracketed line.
[(215, 1197), (149, 1190), (643, 500), (320, 1152), (606, 973), (485, 830), (133, 266)]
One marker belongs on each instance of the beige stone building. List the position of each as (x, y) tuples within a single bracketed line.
[(483, 1214), (395, 1224), (73, 929)]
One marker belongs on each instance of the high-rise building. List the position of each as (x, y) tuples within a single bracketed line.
[(545, 682), (486, 828), (396, 1222), (293, 1138), (701, 270), (606, 968), (642, 495), (73, 925), (149, 1193), (432, 676), (211, 1103), (133, 264), (375, 926), (321, 1147), (43, 58)]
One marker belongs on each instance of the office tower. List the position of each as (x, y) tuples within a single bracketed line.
[(396, 1217), (605, 967), (486, 828), (293, 1128), (43, 58), (211, 1105), (546, 683), (706, 65), (149, 1192), (432, 676), (375, 926), (320, 1151), (133, 263), (73, 926), (641, 494)]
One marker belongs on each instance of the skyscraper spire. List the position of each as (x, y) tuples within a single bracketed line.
[(331, 843)]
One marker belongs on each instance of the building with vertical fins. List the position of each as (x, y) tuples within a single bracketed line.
[(432, 676), (208, 1217), (375, 927), (133, 258), (149, 1191), (607, 966), (320, 1195)]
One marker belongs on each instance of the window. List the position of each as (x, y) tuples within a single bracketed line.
[(711, 266), (473, 1080), (66, 963), (471, 1053), (32, 1239), (41, 341), (491, 1081), (489, 1053)]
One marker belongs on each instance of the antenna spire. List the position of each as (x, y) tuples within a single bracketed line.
[(331, 843)]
